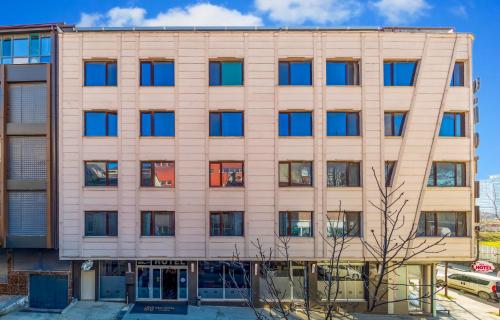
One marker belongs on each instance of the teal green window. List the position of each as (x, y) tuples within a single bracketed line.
[(226, 73)]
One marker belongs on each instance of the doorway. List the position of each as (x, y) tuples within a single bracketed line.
[(87, 288), (169, 285), (161, 283)]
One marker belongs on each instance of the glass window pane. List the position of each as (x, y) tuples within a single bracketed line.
[(146, 174), (403, 73), (447, 125), (432, 181), (336, 73), (284, 174), (232, 124), (399, 119), (113, 173), (283, 223), (215, 224), (35, 45), (300, 224), (353, 175), (445, 174), (459, 125), (336, 122), (232, 73), (164, 124), (95, 74), (284, 129), (232, 174), (21, 47), (387, 74), (215, 73), (164, 224), (6, 48), (210, 281), (112, 74), (164, 174), (284, 73), (335, 224), (145, 73), (233, 224), (337, 174), (301, 173), (461, 224), (163, 73), (95, 123), (421, 225), (460, 174), (215, 174), (300, 73), (457, 78), (146, 223), (112, 124), (353, 223), (95, 224), (113, 224), (389, 169), (447, 224), (301, 124), (215, 125), (46, 46), (146, 124), (95, 173), (388, 124), (353, 124)]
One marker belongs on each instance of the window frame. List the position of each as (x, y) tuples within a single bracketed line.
[(221, 162), (357, 68), (289, 224), (358, 123), (219, 62), (219, 113), (151, 76), (345, 222), (152, 124), (289, 163), (435, 214), (452, 80), (462, 124), (106, 80), (289, 80), (435, 174), (289, 113), (413, 77), (393, 126), (152, 225), (107, 112), (107, 162), (153, 162), (221, 225), (388, 182), (107, 213), (346, 175)]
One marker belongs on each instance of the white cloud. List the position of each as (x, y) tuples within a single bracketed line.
[(313, 11), (203, 14), (401, 11), (460, 11)]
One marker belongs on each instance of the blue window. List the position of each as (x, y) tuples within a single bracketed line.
[(457, 78), (295, 73), (100, 124), (27, 49), (400, 73), (394, 123), (298, 124), (157, 73), (157, 124), (226, 124), (342, 73), (226, 73), (100, 73), (101, 173), (453, 125), (21, 46), (342, 123)]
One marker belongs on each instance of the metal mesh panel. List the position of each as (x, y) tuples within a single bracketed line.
[(28, 103), (27, 212), (27, 158)]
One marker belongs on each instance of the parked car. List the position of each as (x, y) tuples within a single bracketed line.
[(482, 285)]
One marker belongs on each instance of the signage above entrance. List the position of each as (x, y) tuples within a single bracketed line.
[(483, 266), (161, 263)]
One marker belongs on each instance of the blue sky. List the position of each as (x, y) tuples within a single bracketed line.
[(480, 17)]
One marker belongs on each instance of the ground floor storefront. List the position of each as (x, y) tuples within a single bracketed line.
[(234, 283)]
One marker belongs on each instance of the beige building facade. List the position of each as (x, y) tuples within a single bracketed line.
[(286, 128)]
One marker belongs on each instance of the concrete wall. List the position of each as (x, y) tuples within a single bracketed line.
[(261, 149)]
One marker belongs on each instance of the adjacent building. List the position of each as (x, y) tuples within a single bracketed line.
[(180, 146), (489, 198), (29, 259)]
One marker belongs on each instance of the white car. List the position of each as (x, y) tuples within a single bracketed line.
[(482, 285)]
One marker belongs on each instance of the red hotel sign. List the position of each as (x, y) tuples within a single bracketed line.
[(483, 266)]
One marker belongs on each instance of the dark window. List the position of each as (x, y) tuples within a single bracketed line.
[(295, 174), (101, 223), (157, 73), (297, 124), (389, 172), (343, 174), (344, 223), (447, 174), (400, 73), (223, 279), (226, 124), (157, 124), (394, 123), (101, 173), (295, 73), (227, 223), (157, 223), (100, 73), (101, 124), (295, 223), (226, 73), (226, 174), (457, 78), (342, 73), (159, 174), (453, 125), (451, 224), (342, 123)]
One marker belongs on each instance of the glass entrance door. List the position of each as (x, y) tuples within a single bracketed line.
[(169, 284), (164, 283)]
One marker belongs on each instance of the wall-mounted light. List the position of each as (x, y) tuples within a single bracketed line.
[(313, 268), (192, 266), (256, 269)]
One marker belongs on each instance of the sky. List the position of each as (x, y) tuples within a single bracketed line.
[(480, 17)]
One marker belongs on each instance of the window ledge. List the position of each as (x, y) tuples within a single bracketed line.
[(156, 189), (100, 188), (447, 237), (466, 188), (213, 238), (227, 188), (343, 85), (344, 137), (344, 188), (100, 137), (157, 137), (114, 238), (227, 86), (393, 137), (226, 137), (296, 137), (143, 238)]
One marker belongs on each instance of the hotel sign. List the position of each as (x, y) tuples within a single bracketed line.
[(161, 263)]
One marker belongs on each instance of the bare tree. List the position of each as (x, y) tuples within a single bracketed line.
[(492, 197), (394, 247)]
